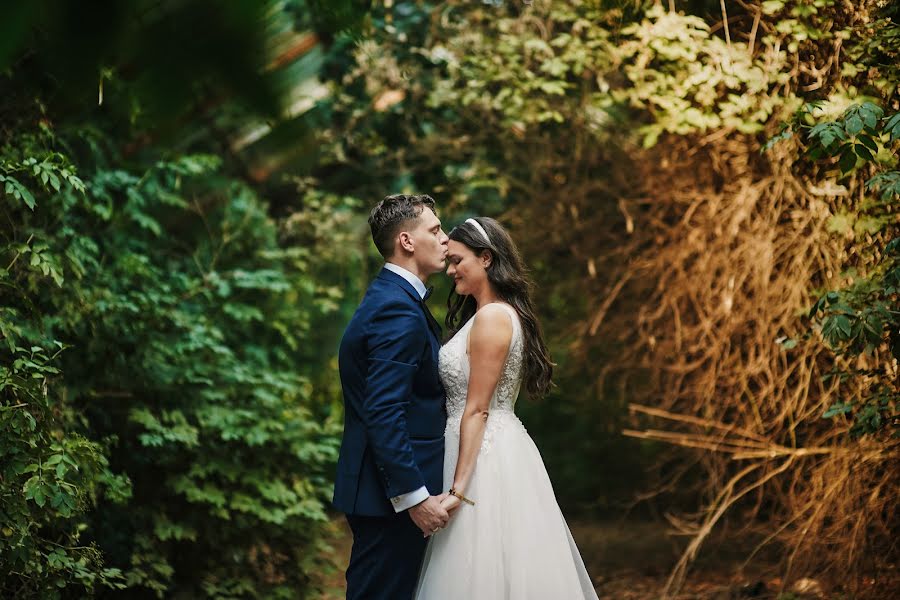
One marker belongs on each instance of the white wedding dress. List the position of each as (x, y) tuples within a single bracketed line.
[(514, 544)]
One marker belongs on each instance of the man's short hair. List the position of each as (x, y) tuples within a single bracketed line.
[(392, 215)]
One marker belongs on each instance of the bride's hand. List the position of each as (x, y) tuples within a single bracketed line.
[(450, 503)]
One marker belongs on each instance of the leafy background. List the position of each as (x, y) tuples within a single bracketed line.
[(706, 192)]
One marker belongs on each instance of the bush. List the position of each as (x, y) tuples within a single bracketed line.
[(160, 429)]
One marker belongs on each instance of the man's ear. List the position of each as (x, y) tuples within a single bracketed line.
[(406, 241)]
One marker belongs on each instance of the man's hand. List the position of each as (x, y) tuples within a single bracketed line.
[(429, 515)]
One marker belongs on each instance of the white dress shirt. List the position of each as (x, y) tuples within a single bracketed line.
[(403, 502)]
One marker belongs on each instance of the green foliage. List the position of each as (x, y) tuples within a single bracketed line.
[(492, 65), (862, 317), (495, 109), (855, 138), (569, 72), (161, 335), (520, 111), (174, 423), (52, 475), (477, 104), (689, 80), (50, 480)]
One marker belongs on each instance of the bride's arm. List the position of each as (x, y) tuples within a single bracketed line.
[(489, 342)]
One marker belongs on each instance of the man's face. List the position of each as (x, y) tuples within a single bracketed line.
[(430, 243)]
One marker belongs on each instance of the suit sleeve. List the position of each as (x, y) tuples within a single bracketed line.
[(396, 341)]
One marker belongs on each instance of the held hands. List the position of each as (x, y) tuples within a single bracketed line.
[(450, 503), (430, 515)]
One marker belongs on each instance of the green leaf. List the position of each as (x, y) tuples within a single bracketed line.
[(827, 134), (888, 183), (843, 325), (18, 191), (870, 114), (869, 142), (771, 7), (816, 307), (893, 127), (847, 160), (853, 125), (863, 152), (839, 408), (840, 223)]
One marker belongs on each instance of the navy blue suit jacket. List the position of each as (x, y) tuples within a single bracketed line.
[(394, 412)]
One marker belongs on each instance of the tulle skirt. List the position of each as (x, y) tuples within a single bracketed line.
[(514, 544)]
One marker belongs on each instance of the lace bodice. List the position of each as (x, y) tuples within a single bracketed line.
[(454, 371), (525, 550)]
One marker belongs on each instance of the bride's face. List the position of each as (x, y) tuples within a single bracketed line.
[(465, 268)]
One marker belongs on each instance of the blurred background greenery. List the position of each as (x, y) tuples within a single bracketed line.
[(706, 193)]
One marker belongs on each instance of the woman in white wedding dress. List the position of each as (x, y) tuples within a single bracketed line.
[(506, 539)]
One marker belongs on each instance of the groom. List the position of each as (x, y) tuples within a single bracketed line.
[(390, 469)]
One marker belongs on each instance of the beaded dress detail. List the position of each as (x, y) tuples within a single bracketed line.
[(514, 544), (454, 370)]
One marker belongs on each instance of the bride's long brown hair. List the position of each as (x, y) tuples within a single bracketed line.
[(509, 280)]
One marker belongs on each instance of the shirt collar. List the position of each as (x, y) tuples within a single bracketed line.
[(412, 279)]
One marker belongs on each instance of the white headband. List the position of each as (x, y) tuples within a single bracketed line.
[(481, 230)]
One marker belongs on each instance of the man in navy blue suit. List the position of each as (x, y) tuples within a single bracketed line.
[(390, 469)]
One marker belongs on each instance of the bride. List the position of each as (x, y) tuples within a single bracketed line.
[(507, 538)]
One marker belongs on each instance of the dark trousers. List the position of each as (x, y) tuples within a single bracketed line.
[(386, 557)]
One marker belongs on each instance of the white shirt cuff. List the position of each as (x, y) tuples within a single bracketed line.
[(406, 501)]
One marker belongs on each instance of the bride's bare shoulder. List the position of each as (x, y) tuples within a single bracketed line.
[(492, 325)]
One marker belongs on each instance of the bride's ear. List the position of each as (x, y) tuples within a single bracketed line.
[(486, 258)]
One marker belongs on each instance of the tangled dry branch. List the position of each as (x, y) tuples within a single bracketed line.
[(733, 258)]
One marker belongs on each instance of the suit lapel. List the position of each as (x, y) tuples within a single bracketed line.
[(432, 322), (392, 277)]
